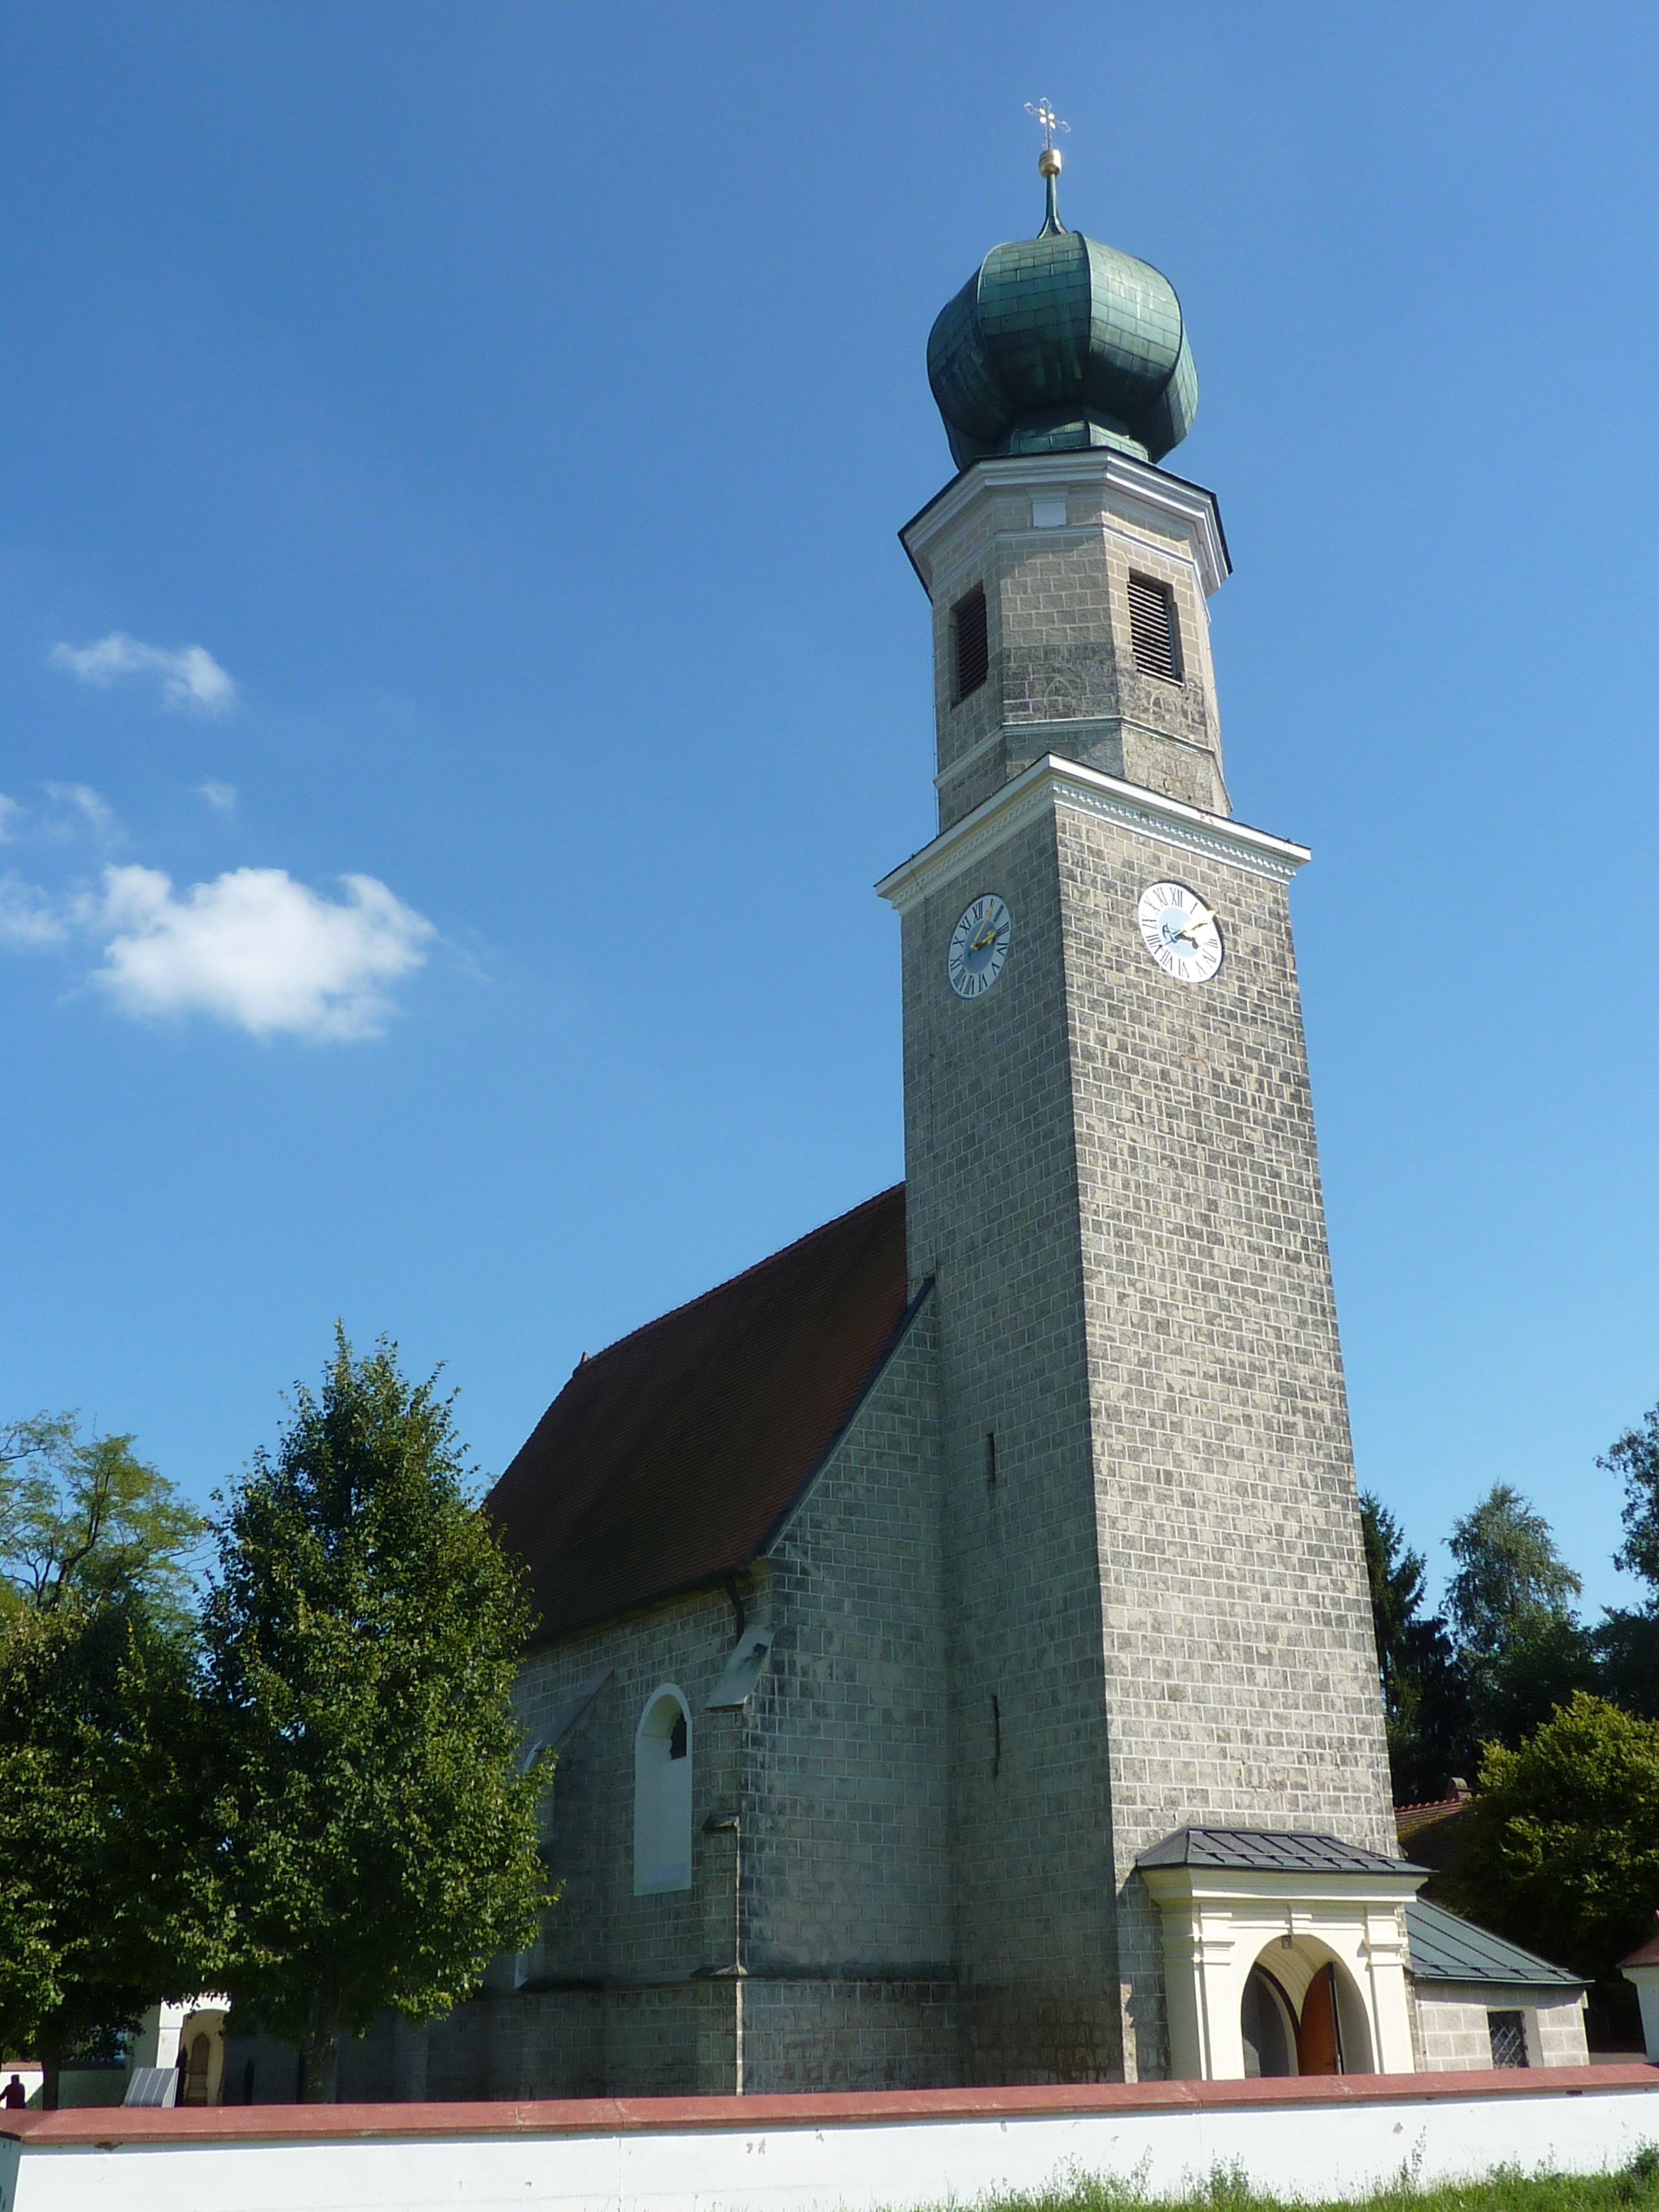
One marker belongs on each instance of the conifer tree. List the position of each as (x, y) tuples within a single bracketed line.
[(1424, 1699), (1522, 1646), (363, 1636)]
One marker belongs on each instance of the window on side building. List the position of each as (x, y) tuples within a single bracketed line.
[(1507, 2030), (662, 1793)]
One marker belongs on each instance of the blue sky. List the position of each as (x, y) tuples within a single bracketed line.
[(469, 444)]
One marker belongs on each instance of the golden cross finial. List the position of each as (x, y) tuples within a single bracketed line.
[(1048, 162), (1044, 114)]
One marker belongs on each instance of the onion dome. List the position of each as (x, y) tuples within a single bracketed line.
[(1058, 342)]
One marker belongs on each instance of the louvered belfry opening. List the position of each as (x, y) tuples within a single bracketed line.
[(1152, 630), (971, 644)]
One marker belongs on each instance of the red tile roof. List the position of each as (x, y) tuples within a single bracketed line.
[(1645, 1954), (1436, 1836), (1407, 1817), (669, 1461)]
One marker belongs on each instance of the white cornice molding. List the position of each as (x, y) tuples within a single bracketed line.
[(1094, 467), (1051, 782), (1258, 1885)]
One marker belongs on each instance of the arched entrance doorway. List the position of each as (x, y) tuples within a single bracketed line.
[(1290, 1902), (1301, 2014)]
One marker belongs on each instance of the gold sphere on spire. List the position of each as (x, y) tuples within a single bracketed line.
[(1048, 162)]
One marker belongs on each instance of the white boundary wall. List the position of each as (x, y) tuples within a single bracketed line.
[(1305, 2147)]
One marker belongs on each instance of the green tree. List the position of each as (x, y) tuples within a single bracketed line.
[(30, 1990), (363, 1636), (1424, 1699), (1627, 1639), (1564, 1848), (105, 1891), (1522, 1646), (102, 1821), (86, 1519), (1635, 1458), (1626, 1644)]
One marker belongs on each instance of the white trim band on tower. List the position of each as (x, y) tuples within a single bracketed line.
[(1053, 782), (1096, 467)]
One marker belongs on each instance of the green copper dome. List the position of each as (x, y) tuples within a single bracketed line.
[(1058, 342)]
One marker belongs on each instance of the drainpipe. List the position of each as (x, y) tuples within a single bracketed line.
[(721, 1824)]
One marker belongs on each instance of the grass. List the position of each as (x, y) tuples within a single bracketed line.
[(1633, 2188)]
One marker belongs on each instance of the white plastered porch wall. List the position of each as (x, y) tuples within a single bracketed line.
[(1646, 1979), (1217, 1924)]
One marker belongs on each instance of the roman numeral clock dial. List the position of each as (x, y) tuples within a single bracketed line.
[(1180, 932), (979, 945)]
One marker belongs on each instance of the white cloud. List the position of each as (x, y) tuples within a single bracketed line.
[(220, 797), (28, 916), (189, 677), (10, 815), (101, 818), (257, 950)]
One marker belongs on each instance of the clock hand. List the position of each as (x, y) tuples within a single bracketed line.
[(1197, 921)]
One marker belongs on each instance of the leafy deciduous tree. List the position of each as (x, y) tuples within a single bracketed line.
[(1564, 1847), (1636, 1458), (363, 1640), (30, 1990), (101, 1823), (103, 1900), (88, 1519)]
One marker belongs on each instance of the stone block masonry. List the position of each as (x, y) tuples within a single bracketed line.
[(836, 1883), (1239, 1650), (1158, 1608), (993, 1197), (1454, 2026), (1112, 1176)]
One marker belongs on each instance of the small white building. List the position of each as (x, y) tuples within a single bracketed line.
[(1642, 1967)]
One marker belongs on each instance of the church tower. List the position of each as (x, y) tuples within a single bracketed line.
[(1167, 1746)]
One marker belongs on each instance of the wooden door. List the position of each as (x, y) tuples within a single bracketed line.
[(194, 2088), (1318, 2039)]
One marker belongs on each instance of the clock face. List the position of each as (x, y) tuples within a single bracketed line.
[(1180, 932), (979, 945)]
